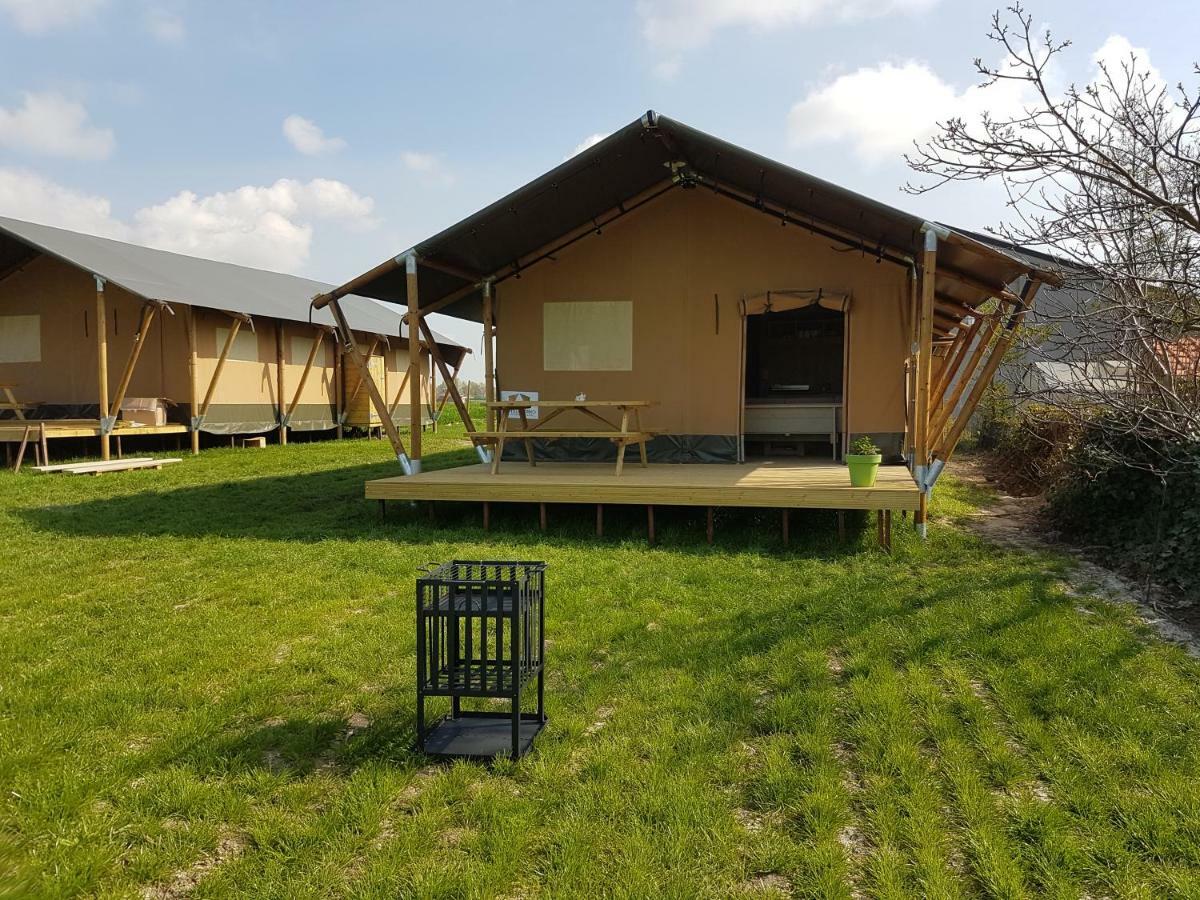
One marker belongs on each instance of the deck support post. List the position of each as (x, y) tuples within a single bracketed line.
[(708, 524), (883, 529), (787, 538), (650, 525), (542, 516), (414, 361), (102, 367), (599, 520), (841, 525), (383, 510), (487, 516)]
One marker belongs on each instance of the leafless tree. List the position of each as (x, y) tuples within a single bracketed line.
[(1105, 176)]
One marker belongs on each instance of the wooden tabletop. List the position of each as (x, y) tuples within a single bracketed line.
[(569, 404)]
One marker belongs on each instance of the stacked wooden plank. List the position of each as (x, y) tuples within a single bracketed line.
[(112, 465)]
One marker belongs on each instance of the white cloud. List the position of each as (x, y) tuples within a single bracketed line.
[(164, 25), (308, 137), (269, 227), (39, 16), (27, 195), (428, 165), (53, 125), (673, 27), (882, 109), (590, 141)]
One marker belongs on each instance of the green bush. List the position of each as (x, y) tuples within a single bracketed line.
[(1138, 500)]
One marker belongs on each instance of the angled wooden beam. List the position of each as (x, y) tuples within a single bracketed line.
[(338, 386), (17, 266), (954, 357), (346, 337), (216, 375), (999, 349), (449, 268), (969, 365), (317, 344), (139, 341), (358, 387), (489, 371), (451, 388), (991, 290), (441, 404)]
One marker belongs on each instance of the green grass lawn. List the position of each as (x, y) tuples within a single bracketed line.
[(207, 676)]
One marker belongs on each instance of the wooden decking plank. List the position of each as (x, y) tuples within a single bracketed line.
[(767, 484)]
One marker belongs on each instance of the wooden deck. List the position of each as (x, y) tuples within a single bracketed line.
[(783, 484), (13, 430)]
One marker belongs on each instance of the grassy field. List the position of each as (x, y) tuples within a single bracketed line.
[(206, 688)]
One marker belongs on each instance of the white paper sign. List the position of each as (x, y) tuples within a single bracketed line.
[(531, 413)]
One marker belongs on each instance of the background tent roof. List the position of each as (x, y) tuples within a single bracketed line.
[(175, 278), (652, 152)]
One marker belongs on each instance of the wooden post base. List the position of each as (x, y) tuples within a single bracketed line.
[(883, 529), (542, 516), (487, 516)]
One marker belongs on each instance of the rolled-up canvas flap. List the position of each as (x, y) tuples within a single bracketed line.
[(786, 300)]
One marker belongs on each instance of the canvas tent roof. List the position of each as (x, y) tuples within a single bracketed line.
[(173, 277), (614, 175)]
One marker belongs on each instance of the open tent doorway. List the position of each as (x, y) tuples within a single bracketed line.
[(794, 373)]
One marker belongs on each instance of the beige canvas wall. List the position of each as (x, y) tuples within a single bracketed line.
[(65, 299), (684, 261)]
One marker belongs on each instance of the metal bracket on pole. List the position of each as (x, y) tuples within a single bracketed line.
[(485, 455), (101, 281), (196, 422), (285, 419), (933, 473), (410, 466), (107, 423)]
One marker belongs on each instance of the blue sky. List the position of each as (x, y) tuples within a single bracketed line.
[(321, 138)]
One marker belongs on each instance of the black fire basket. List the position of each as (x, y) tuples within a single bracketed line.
[(480, 634)]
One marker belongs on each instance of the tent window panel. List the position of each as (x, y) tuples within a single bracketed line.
[(593, 336), (300, 348), (20, 339), (245, 345)]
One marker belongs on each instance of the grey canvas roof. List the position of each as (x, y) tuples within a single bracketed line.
[(653, 151), (176, 278)]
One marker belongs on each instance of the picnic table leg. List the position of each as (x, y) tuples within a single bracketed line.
[(621, 442), (637, 424), (528, 441), (502, 427)]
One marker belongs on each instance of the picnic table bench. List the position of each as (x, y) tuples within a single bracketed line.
[(621, 435)]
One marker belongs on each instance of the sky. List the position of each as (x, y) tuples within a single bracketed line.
[(322, 138)]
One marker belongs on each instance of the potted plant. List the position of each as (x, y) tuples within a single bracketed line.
[(863, 461)]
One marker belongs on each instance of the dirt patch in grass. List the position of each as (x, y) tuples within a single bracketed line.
[(1016, 522), (768, 883), (185, 881)]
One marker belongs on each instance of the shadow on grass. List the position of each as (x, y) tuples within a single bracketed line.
[(329, 504)]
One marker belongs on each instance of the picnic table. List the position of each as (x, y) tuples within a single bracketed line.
[(621, 435)]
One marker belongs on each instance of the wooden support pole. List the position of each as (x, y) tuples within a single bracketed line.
[(708, 524), (787, 537), (954, 359), (921, 448), (446, 393), (435, 353), (216, 375), (346, 337), (999, 349), (338, 386), (542, 516), (279, 384), (102, 366), (414, 360), (489, 371), (318, 344), (139, 341), (487, 516), (21, 449), (193, 380), (841, 525), (969, 363), (650, 525), (599, 520)]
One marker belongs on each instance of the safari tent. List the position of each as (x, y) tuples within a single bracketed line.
[(746, 307), (100, 338)]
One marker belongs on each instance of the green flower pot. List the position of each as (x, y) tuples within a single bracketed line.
[(863, 468)]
